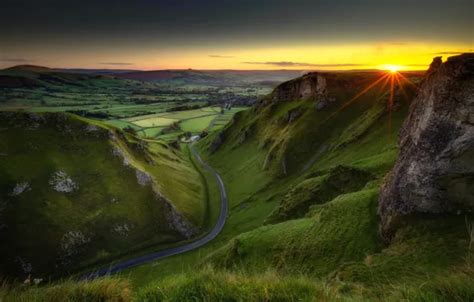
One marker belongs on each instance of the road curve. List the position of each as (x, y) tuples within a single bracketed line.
[(120, 266)]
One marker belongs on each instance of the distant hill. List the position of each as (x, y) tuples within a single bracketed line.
[(30, 76), (95, 71), (35, 68), (14, 77), (31, 68), (213, 77)]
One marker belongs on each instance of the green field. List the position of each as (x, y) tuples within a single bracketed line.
[(198, 124), (192, 121)]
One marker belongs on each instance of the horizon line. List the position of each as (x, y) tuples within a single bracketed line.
[(204, 69)]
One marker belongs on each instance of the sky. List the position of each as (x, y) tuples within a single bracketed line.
[(237, 34)]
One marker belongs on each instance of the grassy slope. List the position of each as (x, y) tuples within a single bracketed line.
[(337, 240), (255, 192), (331, 250), (108, 195)]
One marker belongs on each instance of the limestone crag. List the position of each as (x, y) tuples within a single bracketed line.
[(435, 169)]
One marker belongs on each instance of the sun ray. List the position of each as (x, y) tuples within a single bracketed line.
[(402, 89), (364, 91), (405, 79), (358, 95), (390, 102)]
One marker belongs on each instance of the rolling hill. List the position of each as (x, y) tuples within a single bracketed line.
[(31, 76), (213, 77)]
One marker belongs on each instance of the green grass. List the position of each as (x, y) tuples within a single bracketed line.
[(210, 285), (336, 237), (318, 190), (194, 121), (110, 210), (155, 122), (105, 289), (196, 125), (302, 222), (344, 229)]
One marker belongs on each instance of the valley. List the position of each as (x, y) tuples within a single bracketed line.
[(331, 186)]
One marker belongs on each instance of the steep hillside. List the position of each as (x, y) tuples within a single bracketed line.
[(319, 150), (318, 114), (74, 193)]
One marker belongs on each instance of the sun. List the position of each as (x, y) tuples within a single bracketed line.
[(392, 68)]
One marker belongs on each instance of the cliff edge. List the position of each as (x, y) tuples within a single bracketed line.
[(434, 172)]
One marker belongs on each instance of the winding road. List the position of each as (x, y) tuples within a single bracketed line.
[(120, 266)]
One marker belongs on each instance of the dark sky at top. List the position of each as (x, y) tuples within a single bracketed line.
[(198, 23)]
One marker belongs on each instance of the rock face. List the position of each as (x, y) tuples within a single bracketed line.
[(310, 85), (435, 169)]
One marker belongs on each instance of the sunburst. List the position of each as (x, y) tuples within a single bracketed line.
[(391, 77)]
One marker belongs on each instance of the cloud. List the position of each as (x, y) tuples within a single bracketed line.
[(221, 57), (15, 60), (416, 65), (302, 64), (116, 63), (452, 52)]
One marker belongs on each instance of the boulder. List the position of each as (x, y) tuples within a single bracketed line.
[(435, 169)]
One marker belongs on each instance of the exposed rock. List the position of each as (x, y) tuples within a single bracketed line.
[(177, 221), (61, 182), (245, 134), (91, 128), (323, 102), (116, 151), (143, 178), (71, 242), (311, 85), (292, 115), (217, 142), (435, 169), (122, 229), (20, 188)]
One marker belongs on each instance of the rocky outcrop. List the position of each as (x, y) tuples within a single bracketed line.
[(435, 169), (308, 86), (20, 188), (217, 142), (312, 86), (63, 183)]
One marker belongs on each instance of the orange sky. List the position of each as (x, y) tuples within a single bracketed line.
[(243, 34), (409, 55)]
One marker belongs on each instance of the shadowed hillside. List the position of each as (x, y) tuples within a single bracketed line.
[(75, 193)]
